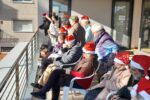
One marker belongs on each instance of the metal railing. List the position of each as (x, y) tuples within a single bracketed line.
[(14, 84)]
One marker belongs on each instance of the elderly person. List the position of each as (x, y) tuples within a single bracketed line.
[(106, 48), (139, 67), (112, 80), (62, 77), (77, 30), (85, 24)]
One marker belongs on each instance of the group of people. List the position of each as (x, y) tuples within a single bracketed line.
[(87, 46)]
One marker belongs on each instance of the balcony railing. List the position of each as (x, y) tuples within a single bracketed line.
[(15, 69)]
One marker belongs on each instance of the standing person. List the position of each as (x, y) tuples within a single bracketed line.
[(62, 77), (112, 80), (52, 32), (106, 48), (85, 24), (44, 26), (77, 30)]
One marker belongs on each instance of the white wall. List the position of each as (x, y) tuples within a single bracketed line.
[(98, 10)]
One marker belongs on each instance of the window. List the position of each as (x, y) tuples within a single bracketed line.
[(23, 1), (122, 21), (145, 25), (22, 26)]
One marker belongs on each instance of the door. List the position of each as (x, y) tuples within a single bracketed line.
[(121, 22), (145, 26)]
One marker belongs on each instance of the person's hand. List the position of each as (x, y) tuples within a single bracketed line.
[(46, 16), (67, 71), (64, 45), (115, 97)]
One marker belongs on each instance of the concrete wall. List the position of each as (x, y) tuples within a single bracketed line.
[(21, 11), (136, 23), (98, 10)]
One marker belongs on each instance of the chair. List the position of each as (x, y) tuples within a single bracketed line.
[(82, 91)]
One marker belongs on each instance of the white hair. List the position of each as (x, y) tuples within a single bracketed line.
[(96, 27)]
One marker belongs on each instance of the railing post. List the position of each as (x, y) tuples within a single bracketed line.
[(17, 81), (32, 53), (27, 64), (37, 39)]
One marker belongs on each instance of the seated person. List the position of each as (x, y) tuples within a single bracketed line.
[(57, 50), (62, 77), (106, 48), (112, 80), (139, 67), (71, 56)]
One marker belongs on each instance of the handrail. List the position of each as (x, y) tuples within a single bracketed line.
[(25, 56)]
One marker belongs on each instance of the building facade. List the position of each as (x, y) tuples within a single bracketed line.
[(128, 21), (19, 18)]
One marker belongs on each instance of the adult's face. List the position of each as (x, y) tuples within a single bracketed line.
[(94, 33), (136, 73)]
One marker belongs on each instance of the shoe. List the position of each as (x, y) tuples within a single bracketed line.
[(39, 95), (36, 85)]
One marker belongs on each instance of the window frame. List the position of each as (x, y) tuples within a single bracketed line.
[(130, 19), (22, 31), (23, 1)]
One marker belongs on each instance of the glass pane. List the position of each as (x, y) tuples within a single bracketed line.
[(145, 43), (60, 6), (121, 23), (22, 26)]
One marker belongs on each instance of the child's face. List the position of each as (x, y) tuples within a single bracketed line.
[(60, 40)]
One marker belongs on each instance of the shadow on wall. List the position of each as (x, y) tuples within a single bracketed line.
[(92, 21), (7, 12), (123, 40)]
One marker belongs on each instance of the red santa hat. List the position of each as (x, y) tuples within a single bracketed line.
[(85, 18), (89, 47), (62, 30), (122, 57), (70, 39), (141, 62), (67, 27)]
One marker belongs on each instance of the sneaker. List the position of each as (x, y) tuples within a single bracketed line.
[(39, 95), (36, 85)]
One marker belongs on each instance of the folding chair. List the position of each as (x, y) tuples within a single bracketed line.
[(82, 91)]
